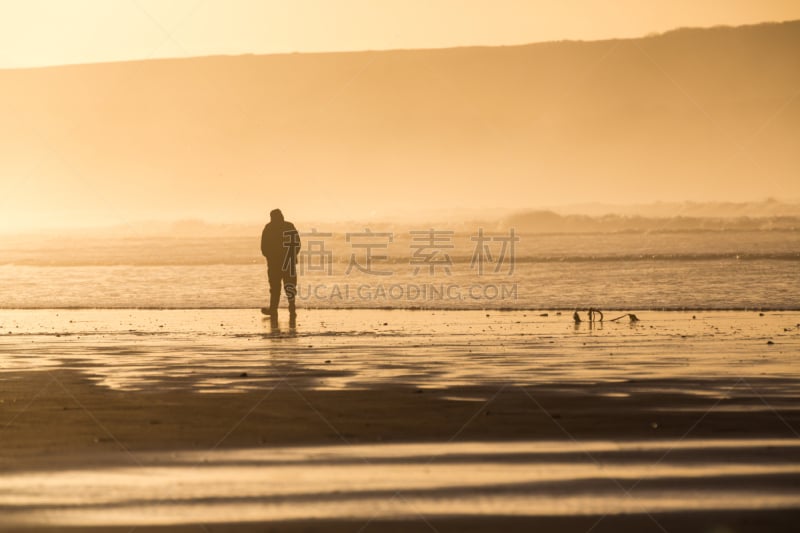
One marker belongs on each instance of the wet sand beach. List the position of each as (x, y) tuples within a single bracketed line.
[(377, 420)]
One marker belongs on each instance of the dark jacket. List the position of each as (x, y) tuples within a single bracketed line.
[(280, 244)]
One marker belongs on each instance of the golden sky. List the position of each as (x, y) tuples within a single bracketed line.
[(52, 32)]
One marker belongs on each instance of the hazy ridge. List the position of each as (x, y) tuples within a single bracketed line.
[(770, 215), (699, 114)]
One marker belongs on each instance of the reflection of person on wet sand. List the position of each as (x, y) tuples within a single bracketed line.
[(280, 244)]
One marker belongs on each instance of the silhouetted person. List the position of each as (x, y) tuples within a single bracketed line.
[(280, 244)]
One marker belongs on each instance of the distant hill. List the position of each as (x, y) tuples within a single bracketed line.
[(722, 210), (701, 114), (550, 222), (591, 218)]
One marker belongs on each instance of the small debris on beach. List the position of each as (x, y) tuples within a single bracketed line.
[(631, 317), (770, 342), (243, 375)]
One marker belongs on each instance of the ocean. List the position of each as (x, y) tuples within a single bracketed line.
[(443, 269)]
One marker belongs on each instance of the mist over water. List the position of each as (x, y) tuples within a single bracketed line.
[(626, 270)]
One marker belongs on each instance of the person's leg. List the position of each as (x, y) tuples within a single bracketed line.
[(274, 291), (290, 286)]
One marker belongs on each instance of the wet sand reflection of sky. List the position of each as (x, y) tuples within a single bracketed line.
[(439, 479), (228, 350)]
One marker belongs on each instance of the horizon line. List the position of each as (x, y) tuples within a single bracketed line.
[(650, 35)]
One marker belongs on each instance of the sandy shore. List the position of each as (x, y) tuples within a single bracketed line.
[(398, 420)]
